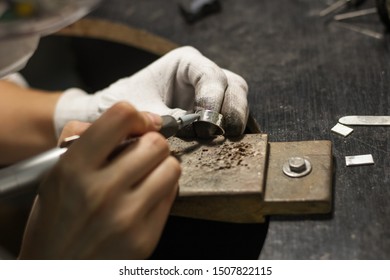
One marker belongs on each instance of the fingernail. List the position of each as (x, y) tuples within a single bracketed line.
[(156, 120)]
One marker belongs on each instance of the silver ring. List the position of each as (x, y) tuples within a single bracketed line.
[(209, 124)]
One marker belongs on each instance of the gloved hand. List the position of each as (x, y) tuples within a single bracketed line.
[(182, 80)]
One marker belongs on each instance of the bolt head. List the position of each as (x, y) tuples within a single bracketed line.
[(296, 167), (297, 164)]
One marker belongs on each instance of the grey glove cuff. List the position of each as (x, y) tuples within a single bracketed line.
[(74, 105)]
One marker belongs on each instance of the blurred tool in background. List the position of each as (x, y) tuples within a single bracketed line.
[(340, 5), (382, 8), (194, 10)]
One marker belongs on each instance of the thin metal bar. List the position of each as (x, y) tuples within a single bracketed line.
[(365, 120), (333, 7), (360, 30), (355, 14)]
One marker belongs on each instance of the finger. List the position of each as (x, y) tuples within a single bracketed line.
[(144, 210), (209, 81), (235, 105), (137, 233), (156, 219), (158, 215), (73, 128), (116, 124), (197, 71), (138, 160), (157, 185)]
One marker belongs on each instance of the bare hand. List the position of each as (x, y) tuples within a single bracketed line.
[(91, 208)]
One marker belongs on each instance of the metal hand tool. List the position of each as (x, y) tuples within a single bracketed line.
[(365, 120), (354, 14), (382, 9), (340, 4), (359, 29), (22, 177), (171, 126)]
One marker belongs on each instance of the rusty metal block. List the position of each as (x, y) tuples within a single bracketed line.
[(242, 180), (222, 179), (311, 194)]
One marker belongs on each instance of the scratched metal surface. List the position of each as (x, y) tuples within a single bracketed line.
[(217, 166), (303, 75)]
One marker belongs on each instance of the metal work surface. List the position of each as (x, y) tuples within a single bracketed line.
[(292, 194), (304, 73), (241, 180), (235, 159), (222, 179)]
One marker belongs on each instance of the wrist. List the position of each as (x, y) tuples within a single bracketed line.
[(74, 104)]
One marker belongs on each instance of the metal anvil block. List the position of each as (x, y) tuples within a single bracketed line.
[(242, 180)]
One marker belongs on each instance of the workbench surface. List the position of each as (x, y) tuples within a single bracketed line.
[(304, 73)]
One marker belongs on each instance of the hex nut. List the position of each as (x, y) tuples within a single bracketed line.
[(297, 164), (297, 167)]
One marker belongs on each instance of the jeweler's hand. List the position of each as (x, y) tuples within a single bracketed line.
[(179, 82), (72, 128), (92, 208)]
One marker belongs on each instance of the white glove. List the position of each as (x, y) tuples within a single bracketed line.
[(181, 81)]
